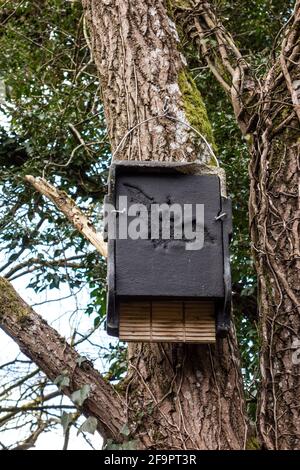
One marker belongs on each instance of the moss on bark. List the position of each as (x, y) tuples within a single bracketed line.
[(10, 302), (195, 109)]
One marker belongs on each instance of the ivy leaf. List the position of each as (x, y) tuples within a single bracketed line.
[(125, 430), (90, 426), (130, 445), (79, 396), (62, 381), (66, 419)]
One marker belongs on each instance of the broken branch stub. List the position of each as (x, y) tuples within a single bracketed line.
[(68, 207)]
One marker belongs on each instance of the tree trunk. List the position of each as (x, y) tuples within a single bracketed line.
[(275, 233), (268, 114), (178, 396)]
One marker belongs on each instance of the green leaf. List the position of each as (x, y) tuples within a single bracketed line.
[(90, 426), (62, 381), (125, 430), (129, 445), (79, 396), (66, 419)]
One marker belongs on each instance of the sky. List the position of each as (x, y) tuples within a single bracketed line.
[(59, 314)]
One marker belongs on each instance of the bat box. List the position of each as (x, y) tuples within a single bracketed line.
[(168, 227)]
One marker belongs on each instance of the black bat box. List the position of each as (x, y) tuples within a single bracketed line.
[(168, 227)]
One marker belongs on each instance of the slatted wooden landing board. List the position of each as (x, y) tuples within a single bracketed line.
[(168, 321)]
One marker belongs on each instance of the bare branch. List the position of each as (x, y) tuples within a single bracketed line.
[(18, 383), (26, 409), (68, 207), (64, 262), (31, 440), (29, 406)]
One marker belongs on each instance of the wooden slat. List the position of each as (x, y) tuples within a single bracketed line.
[(174, 321)]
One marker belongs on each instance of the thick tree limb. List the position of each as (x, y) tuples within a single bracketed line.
[(68, 207), (219, 51), (44, 346)]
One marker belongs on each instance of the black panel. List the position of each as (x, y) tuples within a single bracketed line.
[(165, 267)]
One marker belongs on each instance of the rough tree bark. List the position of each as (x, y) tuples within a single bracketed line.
[(46, 348), (275, 232), (178, 396), (268, 113)]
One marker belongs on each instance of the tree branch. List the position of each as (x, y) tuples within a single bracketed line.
[(37, 262), (19, 382), (13, 411), (31, 440), (218, 49), (290, 50), (44, 346), (68, 207), (26, 409)]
